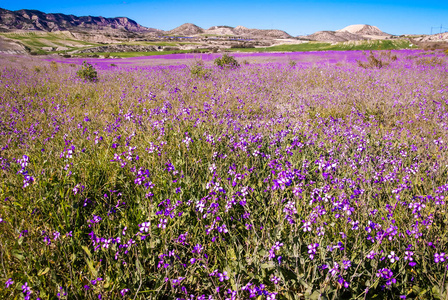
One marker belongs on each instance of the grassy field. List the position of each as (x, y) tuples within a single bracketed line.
[(317, 46)]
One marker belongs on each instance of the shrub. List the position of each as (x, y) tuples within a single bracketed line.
[(429, 61), (54, 65), (198, 70), (383, 59), (292, 63), (87, 72), (38, 52), (227, 61)]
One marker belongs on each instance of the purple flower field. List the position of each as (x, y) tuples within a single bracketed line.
[(181, 59), (320, 175)]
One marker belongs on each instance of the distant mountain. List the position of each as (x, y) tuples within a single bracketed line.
[(220, 30), (26, 19), (363, 29), (270, 33), (186, 29), (189, 29), (333, 36), (349, 33), (101, 29)]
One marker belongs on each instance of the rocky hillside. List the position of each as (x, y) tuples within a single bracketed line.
[(10, 47), (269, 33), (435, 38), (25, 19)]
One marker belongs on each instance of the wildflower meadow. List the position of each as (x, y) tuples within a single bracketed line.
[(286, 176)]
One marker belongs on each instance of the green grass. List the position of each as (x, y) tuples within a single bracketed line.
[(316, 46), (374, 45)]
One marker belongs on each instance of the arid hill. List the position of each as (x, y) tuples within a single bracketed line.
[(189, 29), (186, 29), (270, 33), (349, 33), (363, 29), (10, 47), (333, 37), (436, 38)]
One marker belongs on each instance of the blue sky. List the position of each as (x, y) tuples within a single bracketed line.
[(295, 17)]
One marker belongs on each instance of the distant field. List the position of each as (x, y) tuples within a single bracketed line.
[(311, 46), (34, 42), (317, 46)]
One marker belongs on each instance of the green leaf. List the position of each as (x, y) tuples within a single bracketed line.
[(231, 254), (89, 254), (43, 271), (18, 255), (268, 265), (139, 267), (92, 269), (315, 295)]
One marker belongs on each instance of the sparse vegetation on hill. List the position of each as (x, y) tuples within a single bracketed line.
[(47, 42), (382, 59)]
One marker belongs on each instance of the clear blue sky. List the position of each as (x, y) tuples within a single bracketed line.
[(295, 17)]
